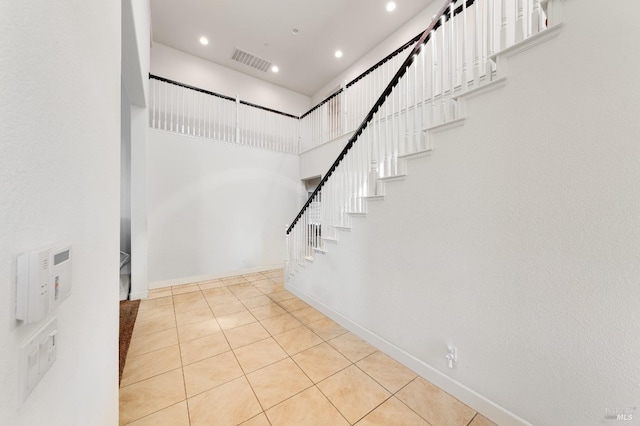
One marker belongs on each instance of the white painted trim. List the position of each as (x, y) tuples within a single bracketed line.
[(198, 278), (393, 178), (343, 228), (447, 125), (498, 83), (373, 197), (417, 154), (487, 408), (139, 295), (357, 214), (536, 39)]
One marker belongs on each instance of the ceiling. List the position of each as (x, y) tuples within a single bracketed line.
[(263, 28)]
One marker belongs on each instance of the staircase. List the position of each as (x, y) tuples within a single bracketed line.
[(462, 54)]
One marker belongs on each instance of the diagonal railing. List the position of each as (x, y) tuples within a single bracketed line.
[(452, 56)]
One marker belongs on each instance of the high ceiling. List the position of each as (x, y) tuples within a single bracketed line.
[(264, 28)]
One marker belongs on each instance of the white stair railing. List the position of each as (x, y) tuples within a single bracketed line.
[(452, 57), (178, 108)]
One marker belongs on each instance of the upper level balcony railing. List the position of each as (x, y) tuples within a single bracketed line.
[(489, 26)]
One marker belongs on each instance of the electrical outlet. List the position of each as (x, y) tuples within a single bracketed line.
[(452, 356)]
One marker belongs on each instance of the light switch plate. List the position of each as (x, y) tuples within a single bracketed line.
[(37, 355)]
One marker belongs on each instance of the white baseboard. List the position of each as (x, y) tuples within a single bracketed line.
[(196, 278), (484, 406), (139, 295)]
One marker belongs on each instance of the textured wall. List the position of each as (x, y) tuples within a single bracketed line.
[(518, 240), (59, 182)]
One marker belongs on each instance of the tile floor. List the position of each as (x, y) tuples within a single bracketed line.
[(243, 350)]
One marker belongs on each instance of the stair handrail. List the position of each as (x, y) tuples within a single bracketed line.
[(424, 38)]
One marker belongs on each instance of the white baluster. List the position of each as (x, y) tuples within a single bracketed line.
[(477, 36), (443, 50), (490, 40), (503, 25), (463, 48), (434, 73), (537, 19), (520, 24), (452, 60)]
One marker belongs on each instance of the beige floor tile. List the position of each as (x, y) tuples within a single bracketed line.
[(247, 293), (386, 371), (187, 306), (233, 280), (154, 325), (308, 408), (148, 396), (202, 348), (152, 342), (280, 296), (154, 312), (320, 362), (185, 288), (221, 299), (228, 308), (190, 317), (246, 334), (353, 393), (278, 280), (140, 367), (326, 328), (392, 412), (293, 304), (154, 303), (260, 354), (217, 291), (228, 404), (228, 322), (158, 293), (253, 302), (259, 420), (263, 282), (211, 372), (308, 315), (480, 420), (193, 296), (198, 329), (297, 340), (253, 277), (273, 273), (352, 346), (280, 324), (176, 415), (206, 285), (435, 405), (277, 382), (267, 311)]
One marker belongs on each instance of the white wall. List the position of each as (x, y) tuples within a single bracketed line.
[(216, 207), (405, 33), (179, 66), (518, 240), (316, 162), (59, 181)]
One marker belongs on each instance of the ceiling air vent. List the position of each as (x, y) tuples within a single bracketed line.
[(251, 60)]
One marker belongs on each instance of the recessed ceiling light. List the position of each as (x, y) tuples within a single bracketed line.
[(275, 68), (338, 53), (391, 6), (204, 41)]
